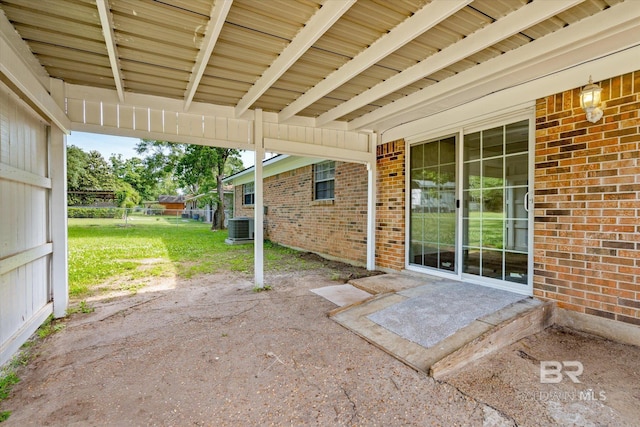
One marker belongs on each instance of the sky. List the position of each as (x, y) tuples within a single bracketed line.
[(109, 145)]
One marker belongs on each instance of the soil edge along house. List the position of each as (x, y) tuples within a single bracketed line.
[(446, 138)]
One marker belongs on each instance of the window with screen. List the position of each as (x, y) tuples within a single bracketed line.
[(249, 194), (324, 180)]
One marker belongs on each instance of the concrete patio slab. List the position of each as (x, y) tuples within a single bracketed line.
[(384, 283), (508, 324), (342, 295), (440, 310)]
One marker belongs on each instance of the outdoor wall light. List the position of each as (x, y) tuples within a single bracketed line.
[(590, 101)]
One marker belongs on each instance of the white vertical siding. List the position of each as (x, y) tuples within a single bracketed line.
[(24, 217)]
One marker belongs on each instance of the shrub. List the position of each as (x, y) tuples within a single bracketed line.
[(94, 213)]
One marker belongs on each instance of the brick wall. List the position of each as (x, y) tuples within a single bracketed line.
[(390, 214), (587, 202), (335, 228)]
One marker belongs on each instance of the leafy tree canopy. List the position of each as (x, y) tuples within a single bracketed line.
[(164, 168)]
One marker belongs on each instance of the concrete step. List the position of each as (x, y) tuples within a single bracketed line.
[(470, 343)]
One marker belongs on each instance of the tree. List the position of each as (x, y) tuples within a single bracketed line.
[(194, 168), (161, 158), (126, 195), (134, 172), (201, 169), (86, 172)]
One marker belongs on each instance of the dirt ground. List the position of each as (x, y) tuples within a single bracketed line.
[(211, 351), (607, 394)]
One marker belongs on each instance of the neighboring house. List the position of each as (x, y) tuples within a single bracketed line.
[(193, 206), (173, 205)]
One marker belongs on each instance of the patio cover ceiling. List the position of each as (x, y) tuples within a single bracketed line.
[(347, 64)]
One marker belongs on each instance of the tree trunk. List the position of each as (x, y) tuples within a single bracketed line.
[(220, 222)]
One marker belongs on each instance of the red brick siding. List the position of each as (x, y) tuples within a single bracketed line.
[(336, 228), (390, 203), (587, 202)]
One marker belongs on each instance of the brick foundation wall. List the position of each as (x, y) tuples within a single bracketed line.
[(587, 202), (334, 228), (390, 202)]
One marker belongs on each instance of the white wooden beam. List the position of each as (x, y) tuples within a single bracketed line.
[(293, 148), (509, 101), (12, 262), (319, 23), (144, 116), (17, 72), (58, 210), (9, 348), (106, 20), (372, 177), (258, 211), (605, 33), (519, 20), (424, 19), (217, 17), (21, 49), (11, 173)]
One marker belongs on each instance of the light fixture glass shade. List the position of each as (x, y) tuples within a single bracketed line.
[(590, 99)]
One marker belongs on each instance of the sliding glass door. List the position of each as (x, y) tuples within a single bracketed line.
[(433, 205), (495, 203), (488, 237)]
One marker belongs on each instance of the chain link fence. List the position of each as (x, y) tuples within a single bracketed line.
[(136, 215)]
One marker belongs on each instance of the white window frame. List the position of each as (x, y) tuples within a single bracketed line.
[(316, 181), (245, 193), (460, 131)]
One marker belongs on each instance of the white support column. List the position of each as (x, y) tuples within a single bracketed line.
[(58, 210), (258, 204), (371, 203)]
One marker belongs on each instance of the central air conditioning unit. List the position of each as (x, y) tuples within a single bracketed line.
[(240, 230)]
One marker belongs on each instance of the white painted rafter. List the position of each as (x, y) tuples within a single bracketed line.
[(20, 47), (612, 30), (519, 20), (217, 17), (21, 69), (424, 19), (106, 20), (317, 25)]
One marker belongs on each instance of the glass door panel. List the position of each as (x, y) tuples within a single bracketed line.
[(494, 195), (433, 205)]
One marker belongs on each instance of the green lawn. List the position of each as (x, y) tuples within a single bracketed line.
[(441, 228), (100, 249)]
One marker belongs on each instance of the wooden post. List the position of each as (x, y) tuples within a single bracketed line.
[(258, 242), (371, 203), (58, 210)]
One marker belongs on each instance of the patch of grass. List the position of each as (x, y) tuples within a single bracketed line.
[(262, 289), (7, 381), (49, 327), (82, 307), (132, 288), (102, 249)]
